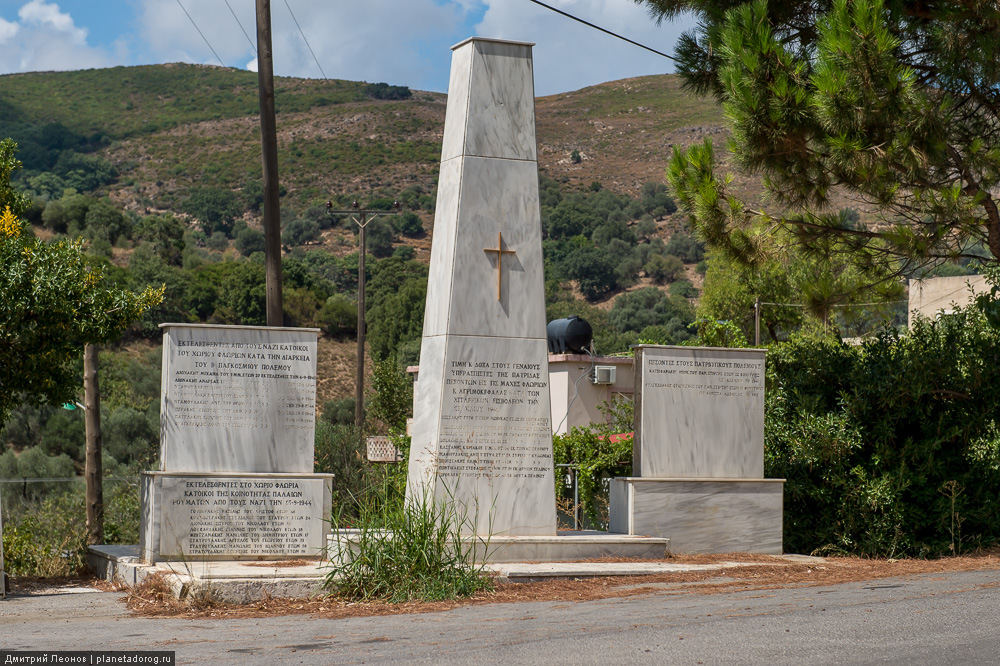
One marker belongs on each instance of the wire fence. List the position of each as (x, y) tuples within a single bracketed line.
[(20, 495)]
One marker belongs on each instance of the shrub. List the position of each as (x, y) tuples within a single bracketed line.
[(892, 448), (249, 241), (340, 450), (299, 231), (687, 248), (385, 91), (593, 270), (217, 241), (596, 456), (683, 289), (216, 209), (339, 316), (339, 412), (649, 306), (404, 252), (379, 236), (409, 224), (664, 268)]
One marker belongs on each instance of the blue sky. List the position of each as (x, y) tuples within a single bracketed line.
[(401, 42)]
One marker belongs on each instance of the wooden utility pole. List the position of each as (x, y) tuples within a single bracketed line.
[(359, 381), (269, 160), (93, 467)]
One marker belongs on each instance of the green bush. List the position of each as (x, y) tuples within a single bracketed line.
[(339, 412), (340, 450), (214, 208), (597, 457), (409, 224), (891, 448), (385, 91), (249, 240), (49, 539), (299, 231), (664, 268), (686, 247), (649, 306), (339, 316), (683, 289)]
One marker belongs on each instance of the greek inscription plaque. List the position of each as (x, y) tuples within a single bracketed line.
[(701, 412), (209, 516), (238, 399)]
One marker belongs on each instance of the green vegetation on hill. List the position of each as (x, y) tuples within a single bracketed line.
[(126, 101)]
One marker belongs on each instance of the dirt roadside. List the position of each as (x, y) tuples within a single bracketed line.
[(757, 572)]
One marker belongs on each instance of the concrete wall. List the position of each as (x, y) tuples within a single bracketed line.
[(933, 295), (576, 400)]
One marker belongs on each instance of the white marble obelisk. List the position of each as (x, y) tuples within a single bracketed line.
[(482, 436)]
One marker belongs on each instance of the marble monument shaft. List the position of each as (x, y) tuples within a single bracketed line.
[(482, 436)]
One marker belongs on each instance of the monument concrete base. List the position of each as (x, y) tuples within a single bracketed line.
[(701, 515), (189, 516), (565, 546), (235, 582)]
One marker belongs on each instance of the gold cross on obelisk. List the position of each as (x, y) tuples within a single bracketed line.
[(500, 252)]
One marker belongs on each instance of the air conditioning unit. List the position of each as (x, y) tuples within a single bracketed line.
[(605, 374)]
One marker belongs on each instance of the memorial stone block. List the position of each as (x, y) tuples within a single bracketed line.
[(237, 420), (481, 435), (238, 515), (698, 453)]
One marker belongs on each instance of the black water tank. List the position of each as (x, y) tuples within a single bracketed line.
[(571, 334)]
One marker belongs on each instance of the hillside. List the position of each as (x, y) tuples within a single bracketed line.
[(170, 127), (166, 131)]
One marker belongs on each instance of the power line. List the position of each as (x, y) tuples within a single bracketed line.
[(597, 27), (305, 40), (252, 45), (202, 34)]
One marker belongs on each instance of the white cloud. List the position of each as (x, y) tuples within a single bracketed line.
[(38, 12), (46, 38), (7, 31)]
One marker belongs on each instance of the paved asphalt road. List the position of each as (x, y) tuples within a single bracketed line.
[(951, 618)]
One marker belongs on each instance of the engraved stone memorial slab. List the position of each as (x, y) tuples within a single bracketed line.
[(698, 453), (700, 412), (482, 435), (237, 516), (238, 399)]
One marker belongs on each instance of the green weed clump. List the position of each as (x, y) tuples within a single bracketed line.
[(402, 552)]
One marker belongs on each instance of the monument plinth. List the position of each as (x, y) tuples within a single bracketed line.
[(698, 453), (237, 421), (482, 435)]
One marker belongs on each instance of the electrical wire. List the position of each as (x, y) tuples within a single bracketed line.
[(245, 34), (201, 33), (597, 27), (306, 40)]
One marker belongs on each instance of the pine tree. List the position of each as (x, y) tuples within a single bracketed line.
[(891, 103)]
